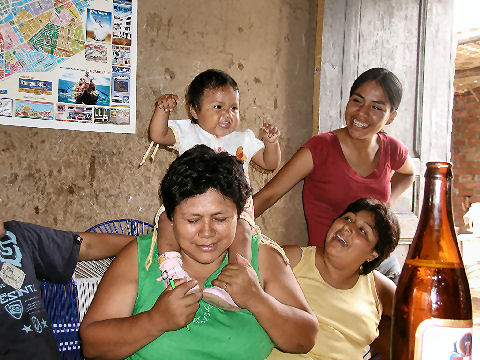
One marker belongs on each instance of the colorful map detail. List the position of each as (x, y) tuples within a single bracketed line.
[(37, 35)]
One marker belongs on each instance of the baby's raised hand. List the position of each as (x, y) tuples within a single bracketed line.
[(167, 102), (270, 132)]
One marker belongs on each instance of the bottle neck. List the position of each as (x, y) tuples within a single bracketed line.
[(437, 205), (435, 239)]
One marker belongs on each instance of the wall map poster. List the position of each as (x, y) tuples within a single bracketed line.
[(68, 64)]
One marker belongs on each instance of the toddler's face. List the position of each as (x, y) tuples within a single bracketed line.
[(219, 112)]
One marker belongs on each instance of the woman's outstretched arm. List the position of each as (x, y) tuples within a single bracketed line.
[(110, 331), (295, 170)]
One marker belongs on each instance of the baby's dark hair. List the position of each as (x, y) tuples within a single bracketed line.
[(209, 79), (388, 81), (386, 226), (199, 169)]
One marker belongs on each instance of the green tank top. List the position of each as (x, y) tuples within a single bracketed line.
[(214, 333)]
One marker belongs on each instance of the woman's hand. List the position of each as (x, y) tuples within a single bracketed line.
[(175, 308), (401, 180), (241, 282)]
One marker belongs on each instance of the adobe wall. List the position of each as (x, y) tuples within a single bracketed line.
[(72, 179)]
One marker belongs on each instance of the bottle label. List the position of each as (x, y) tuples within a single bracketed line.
[(441, 339)]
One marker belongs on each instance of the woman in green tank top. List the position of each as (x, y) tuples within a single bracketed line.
[(132, 315)]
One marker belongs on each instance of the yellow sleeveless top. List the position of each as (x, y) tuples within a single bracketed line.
[(348, 319)]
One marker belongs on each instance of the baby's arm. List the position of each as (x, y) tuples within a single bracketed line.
[(269, 157), (166, 239), (159, 130), (242, 243)]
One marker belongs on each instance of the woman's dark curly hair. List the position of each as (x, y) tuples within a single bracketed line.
[(199, 169), (209, 79), (386, 226)]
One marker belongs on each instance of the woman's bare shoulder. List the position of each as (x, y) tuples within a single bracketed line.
[(291, 254), (294, 254)]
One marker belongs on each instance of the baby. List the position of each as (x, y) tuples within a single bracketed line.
[(213, 101)]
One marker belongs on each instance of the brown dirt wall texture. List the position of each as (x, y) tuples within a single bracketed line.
[(73, 180)]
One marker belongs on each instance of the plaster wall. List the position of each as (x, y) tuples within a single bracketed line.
[(72, 179)]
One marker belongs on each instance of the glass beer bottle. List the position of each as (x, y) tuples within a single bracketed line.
[(432, 317)]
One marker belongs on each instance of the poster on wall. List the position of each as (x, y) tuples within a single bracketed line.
[(68, 64)]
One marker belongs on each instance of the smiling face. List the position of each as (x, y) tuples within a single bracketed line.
[(204, 226), (219, 111), (353, 237), (368, 111)]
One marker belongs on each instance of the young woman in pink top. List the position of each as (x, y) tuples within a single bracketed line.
[(355, 161)]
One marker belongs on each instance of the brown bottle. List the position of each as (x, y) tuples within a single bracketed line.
[(432, 317)]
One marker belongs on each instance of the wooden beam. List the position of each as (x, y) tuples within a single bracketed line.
[(318, 66), (469, 37), (459, 74), (474, 95)]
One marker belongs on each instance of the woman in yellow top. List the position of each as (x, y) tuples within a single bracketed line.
[(347, 295)]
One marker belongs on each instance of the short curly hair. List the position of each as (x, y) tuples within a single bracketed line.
[(386, 226), (199, 169)]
